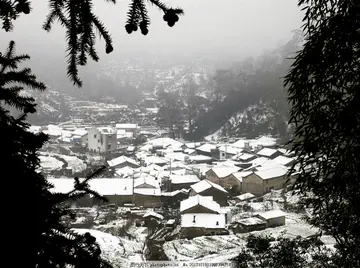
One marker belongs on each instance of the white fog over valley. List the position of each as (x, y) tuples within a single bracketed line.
[(188, 124)]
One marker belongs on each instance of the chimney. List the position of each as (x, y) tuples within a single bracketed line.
[(215, 153), (194, 219)]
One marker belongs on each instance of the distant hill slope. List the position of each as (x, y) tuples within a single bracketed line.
[(52, 106), (257, 119), (255, 101)]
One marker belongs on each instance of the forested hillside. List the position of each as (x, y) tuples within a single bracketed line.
[(249, 97)]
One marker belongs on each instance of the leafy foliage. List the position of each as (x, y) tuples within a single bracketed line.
[(55, 244), (324, 91), (81, 25), (284, 252)]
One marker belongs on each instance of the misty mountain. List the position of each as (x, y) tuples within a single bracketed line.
[(251, 99), (52, 106)]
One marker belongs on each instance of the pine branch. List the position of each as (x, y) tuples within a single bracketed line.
[(80, 21), (12, 82)]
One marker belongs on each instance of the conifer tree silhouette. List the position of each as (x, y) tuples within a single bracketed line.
[(81, 24), (55, 244)]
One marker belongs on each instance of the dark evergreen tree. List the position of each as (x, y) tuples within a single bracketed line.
[(324, 89), (266, 252), (323, 85), (54, 244)]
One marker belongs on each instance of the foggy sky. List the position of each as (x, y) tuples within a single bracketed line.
[(210, 28)]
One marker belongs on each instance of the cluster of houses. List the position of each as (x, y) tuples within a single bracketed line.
[(201, 180), (97, 139)]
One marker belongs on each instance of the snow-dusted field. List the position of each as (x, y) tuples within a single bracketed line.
[(75, 163), (118, 251), (223, 248), (50, 163), (201, 247)]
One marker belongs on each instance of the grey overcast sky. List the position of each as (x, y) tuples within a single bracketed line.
[(220, 28)]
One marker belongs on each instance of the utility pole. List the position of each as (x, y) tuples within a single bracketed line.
[(225, 151), (170, 167)]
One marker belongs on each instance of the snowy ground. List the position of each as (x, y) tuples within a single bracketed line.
[(200, 247), (75, 163), (223, 248), (50, 163), (122, 250), (113, 248)]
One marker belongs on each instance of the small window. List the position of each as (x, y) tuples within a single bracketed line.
[(94, 136), (99, 140), (109, 146)]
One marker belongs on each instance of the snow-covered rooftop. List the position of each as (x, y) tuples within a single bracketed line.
[(203, 168), (120, 160), (193, 145), (56, 132), (189, 151), (112, 186), (227, 163), (204, 201), (272, 214), (155, 160), (283, 160), (174, 165), (147, 191), (245, 156), (284, 151), (146, 180), (271, 172), (223, 172), (102, 186), (63, 185), (244, 196), (267, 152), (199, 158), (204, 185), (126, 126), (229, 149), (179, 171), (175, 156), (125, 171), (173, 193), (165, 142), (34, 129), (79, 132), (106, 130), (153, 214), (264, 141), (206, 147), (251, 221), (178, 179), (213, 221)]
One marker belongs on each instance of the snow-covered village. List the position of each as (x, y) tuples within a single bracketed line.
[(172, 199), (192, 133)]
